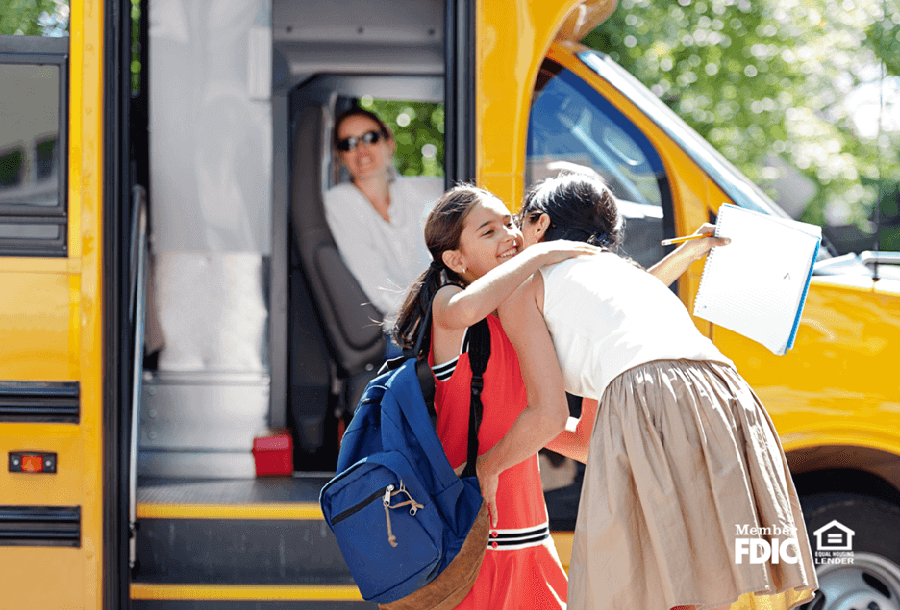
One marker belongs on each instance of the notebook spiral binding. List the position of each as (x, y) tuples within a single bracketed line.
[(697, 305)]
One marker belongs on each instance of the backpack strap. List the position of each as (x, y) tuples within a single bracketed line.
[(479, 352), (423, 369)]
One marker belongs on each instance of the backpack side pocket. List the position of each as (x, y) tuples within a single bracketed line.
[(386, 525)]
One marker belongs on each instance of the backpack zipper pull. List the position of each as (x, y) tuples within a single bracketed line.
[(387, 513)]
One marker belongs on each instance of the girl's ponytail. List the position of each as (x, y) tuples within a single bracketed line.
[(412, 312)]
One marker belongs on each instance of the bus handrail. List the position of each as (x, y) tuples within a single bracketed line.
[(138, 296)]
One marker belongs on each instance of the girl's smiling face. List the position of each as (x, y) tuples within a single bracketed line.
[(489, 238)]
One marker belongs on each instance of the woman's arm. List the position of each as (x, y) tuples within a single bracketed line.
[(678, 260), (573, 442), (466, 307), (547, 411)]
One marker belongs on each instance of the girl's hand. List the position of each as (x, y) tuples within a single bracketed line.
[(551, 252), (488, 482)]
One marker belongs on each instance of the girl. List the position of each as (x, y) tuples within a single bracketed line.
[(683, 457), (470, 233)]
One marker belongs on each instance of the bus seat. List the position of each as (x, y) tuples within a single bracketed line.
[(352, 324)]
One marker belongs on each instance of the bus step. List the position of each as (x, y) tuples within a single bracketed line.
[(246, 597), (259, 543)]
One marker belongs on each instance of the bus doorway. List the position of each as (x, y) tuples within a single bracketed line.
[(263, 327)]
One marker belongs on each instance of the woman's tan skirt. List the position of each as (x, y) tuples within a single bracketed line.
[(686, 479)]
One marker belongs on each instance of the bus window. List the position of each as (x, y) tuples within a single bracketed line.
[(32, 137), (573, 124)]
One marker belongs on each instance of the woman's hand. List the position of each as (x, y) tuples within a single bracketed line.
[(459, 309), (677, 262), (551, 252), (488, 481), (696, 249)]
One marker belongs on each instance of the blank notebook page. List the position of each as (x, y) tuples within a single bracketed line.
[(756, 285)]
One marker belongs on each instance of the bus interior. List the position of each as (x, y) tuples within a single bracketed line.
[(262, 326)]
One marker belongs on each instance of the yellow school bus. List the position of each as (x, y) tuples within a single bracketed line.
[(169, 288)]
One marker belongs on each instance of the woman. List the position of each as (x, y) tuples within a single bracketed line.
[(474, 243), (377, 218), (683, 457)]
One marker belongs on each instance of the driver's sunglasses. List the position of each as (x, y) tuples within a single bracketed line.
[(370, 137)]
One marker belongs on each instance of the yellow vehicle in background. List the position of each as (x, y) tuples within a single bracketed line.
[(131, 482)]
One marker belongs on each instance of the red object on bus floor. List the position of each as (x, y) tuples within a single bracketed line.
[(273, 453)]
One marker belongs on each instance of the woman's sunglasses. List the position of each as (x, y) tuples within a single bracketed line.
[(370, 137)]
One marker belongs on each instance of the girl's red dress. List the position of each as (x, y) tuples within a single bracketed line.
[(521, 569)]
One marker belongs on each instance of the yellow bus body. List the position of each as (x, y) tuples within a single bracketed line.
[(50, 323)]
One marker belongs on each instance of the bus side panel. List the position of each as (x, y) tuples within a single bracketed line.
[(50, 331), (34, 326)]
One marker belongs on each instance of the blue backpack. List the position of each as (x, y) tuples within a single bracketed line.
[(399, 512)]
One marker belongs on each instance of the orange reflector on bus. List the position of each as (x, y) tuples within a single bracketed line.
[(35, 462), (32, 463)]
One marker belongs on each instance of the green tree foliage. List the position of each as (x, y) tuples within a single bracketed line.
[(773, 79), (34, 17), (419, 132)]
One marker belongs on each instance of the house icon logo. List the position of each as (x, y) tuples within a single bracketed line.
[(834, 536)]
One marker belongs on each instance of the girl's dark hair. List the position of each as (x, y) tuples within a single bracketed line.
[(580, 206), (357, 111), (442, 232)]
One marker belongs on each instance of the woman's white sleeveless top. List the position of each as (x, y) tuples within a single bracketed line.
[(607, 316)]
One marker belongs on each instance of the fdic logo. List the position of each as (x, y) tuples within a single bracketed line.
[(834, 544), (779, 545)]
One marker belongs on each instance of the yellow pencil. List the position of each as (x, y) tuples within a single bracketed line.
[(679, 240)]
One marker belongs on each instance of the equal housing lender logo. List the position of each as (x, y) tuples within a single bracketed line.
[(834, 544)]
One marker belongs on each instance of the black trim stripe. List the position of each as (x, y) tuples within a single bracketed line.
[(40, 402), (40, 526), (519, 538), (541, 529), (443, 372)]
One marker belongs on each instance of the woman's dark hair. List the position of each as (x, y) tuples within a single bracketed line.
[(357, 111), (580, 206), (442, 232)]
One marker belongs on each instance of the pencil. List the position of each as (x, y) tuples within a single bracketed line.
[(679, 240)]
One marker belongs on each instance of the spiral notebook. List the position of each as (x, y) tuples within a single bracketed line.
[(757, 284)]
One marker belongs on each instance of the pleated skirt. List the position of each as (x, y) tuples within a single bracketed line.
[(685, 470)]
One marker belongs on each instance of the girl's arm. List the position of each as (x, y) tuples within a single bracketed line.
[(574, 440), (462, 309), (547, 411), (673, 265)]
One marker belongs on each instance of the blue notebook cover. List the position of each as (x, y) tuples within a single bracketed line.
[(793, 336)]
